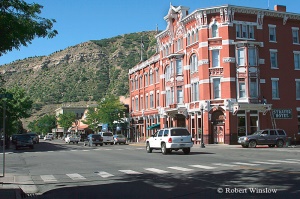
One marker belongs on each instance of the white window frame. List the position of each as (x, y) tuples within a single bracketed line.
[(253, 87), (195, 91), (242, 89), (297, 60), (217, 88), (295, 34), (214, 30), (178, 67), (215, 58), (275, 88), (241, 56), (252, 56), (273, 59), (193, 63), (179, 95), (272, 33), (297, 89)]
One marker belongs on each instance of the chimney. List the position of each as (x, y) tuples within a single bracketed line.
[(280, 8)]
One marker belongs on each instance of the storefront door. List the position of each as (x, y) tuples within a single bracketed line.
[(218, 133)]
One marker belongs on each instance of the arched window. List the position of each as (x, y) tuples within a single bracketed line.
[(168, 73), (196, 35), (193, 63)]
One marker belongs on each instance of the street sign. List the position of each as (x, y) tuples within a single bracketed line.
[(6, 95)]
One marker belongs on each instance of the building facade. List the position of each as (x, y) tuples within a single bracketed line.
[(226, 71)]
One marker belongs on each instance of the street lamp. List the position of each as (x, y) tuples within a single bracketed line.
[(202, 143)]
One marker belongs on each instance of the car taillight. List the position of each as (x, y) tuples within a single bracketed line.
[(93, 139), (170, 140)]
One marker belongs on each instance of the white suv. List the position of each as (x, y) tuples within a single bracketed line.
[(170, 139), (108, 137)]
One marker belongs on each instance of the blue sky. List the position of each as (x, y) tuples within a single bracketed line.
[(83, 20)]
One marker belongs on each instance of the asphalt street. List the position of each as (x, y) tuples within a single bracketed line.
[(58, 170)]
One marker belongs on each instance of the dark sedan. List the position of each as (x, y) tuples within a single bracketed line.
[(23, 140)]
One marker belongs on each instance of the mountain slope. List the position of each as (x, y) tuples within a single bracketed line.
[(80, 73)]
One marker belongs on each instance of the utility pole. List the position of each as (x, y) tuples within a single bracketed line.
[(2, 96)]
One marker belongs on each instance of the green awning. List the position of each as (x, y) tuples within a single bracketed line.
[(154, 126)]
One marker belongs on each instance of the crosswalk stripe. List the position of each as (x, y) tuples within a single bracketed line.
[(203, 167), (156, 170), (285, 161), (130, 172), (104, 174), (85, 150), (73, 150), (272, 163), (225, 165), (245, 163), (181, 168), (48, 178), (293, 160), (76, 176)]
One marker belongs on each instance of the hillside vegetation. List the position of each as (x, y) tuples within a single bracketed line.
[(80, 74)]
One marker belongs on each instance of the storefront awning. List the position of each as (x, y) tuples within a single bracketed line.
[(154, 126)]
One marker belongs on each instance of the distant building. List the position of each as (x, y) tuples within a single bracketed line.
[(236, 65)]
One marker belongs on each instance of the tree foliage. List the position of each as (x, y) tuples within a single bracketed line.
[(110, 109), (20, 23), (43, 125), (18, 107), (92, 119), (65, 120)]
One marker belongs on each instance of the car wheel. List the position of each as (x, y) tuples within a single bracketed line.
[(76, 142), (163, 148), (112, 143), (245, 146), (101, 144), (96, 144), (148, 148), (271, 145), (186, 150), (252, 144), (279, 144)]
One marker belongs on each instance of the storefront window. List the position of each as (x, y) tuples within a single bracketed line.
[(241, 124), (253, 124)]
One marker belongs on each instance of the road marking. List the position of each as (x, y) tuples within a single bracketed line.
[(120, 149), (104, 174), (50, 151), (85, 150), (73, 150), (203, 167), (293, 160), (272, 163), (130, 172), (76, 176), (244, 163), (156, 170), (181, 168), (48, 178), (285, 161), (225, 165), (107, 149)]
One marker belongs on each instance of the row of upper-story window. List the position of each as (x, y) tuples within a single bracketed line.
[(152, 101), (243, 31), (249, 54)]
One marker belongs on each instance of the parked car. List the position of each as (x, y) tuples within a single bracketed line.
[(108, 137), (170, 139), (24, 140), (72, 138), (48, 137), (14, 138), (93, 139), (35, 138), (270, 137), (119, 139), (51, 135)]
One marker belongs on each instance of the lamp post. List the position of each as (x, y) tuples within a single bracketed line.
[(202, 143)]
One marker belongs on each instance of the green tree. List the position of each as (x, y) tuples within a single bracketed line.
[(43, 125), (18, 107), (65, 120), (92, 119), (20, 23), (110, 109)]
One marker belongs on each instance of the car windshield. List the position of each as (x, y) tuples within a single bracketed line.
[(257, 133), (23, 137), (107, 134)]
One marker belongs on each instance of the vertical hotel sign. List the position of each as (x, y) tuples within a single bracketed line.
[(282, 113)]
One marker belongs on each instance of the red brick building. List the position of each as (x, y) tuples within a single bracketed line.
[(221, 70)]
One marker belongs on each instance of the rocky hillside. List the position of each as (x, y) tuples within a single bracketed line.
[(80, 74)]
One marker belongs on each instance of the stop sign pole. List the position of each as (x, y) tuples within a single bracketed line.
[(2, 96)]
